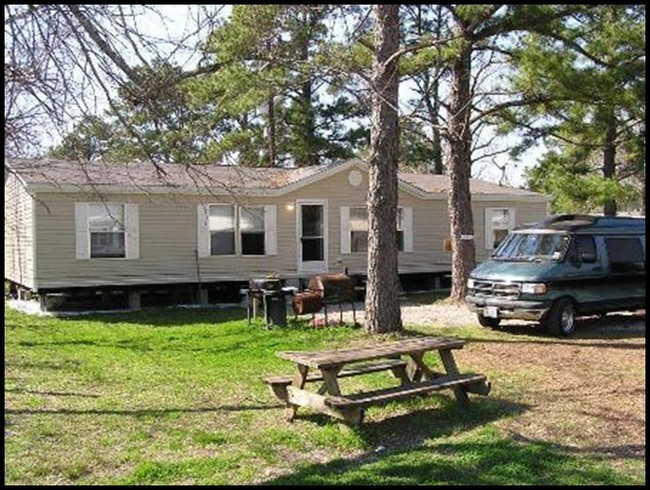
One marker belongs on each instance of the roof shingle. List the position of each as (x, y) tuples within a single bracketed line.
[(146, 175)]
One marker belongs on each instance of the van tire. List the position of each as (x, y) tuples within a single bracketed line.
[(488, 322), (561, 318)]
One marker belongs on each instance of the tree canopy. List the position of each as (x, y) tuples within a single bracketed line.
[(590, 76)]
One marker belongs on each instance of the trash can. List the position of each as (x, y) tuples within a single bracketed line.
[(267, 292), (275, 308)]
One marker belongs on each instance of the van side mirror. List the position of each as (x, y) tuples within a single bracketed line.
[(587, 258)]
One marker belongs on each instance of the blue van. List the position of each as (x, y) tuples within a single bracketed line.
[(562, 267)]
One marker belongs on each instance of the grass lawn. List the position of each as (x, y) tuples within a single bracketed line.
[(173, 396)]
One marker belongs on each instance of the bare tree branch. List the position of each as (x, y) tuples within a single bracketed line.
[(101, 43)]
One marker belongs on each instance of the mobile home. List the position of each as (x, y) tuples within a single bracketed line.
[(142, 231)]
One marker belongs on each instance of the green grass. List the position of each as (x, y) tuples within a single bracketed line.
[(173, 396)]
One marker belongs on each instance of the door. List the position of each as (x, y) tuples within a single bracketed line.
[(312, 236)]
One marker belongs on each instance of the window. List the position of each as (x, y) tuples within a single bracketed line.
[(358, 229), (498, 223), (222, 230), (530, 246), (585, 245), (251, 230), (107, 230), (625, 254), (232, 230)]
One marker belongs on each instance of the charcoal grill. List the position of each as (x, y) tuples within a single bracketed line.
[(324, 290), (272, 297)]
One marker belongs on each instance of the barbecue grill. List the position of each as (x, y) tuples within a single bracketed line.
[(272, 296)]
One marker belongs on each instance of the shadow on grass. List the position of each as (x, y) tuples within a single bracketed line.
[(404, 451), (50, 393), (419, 424), (155, 316), (492, 462), (46, 364), (397, 444), (612, 326), (577, 341), (138, 345), (586, 329), (147, 412), (175, 316), (609, 328), (630, 451), (172, 316)]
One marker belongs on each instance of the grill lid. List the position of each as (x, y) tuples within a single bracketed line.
[(265, 284)]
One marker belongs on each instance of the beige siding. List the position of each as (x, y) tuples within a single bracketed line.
[(167, 241), (168, 238), (430, 225), (19, 243), (526, 212)]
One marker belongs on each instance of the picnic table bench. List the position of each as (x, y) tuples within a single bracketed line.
[(404, 358)]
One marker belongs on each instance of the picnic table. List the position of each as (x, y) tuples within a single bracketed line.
[(404, 358)]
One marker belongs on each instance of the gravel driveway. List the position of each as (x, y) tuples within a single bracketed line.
[(443, 314)]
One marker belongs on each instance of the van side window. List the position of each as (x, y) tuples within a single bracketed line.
[(585, 245), (625, 254), (582, 249)]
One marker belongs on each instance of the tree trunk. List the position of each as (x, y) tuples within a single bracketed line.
[(307, 105), (432, 103), (382, 300), (460, 143), (270, 141), (438, 166), (311, 152), (432, 95), (609, 162)]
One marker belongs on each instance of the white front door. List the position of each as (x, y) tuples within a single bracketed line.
[(312, 236)]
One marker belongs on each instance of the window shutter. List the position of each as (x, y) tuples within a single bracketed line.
[(345, 229), (270, 230), (512, 215), (488, 228), (203, 230), (408, 228), (132, 226), (81, 230)]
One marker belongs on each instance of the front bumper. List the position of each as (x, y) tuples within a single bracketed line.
[(510, 309)]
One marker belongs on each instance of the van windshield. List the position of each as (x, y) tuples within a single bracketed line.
[(531, 247)]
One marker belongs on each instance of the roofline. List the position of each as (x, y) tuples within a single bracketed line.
[(265, 192), (254, 192), (194, 190)]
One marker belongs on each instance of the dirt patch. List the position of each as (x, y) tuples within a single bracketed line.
[(584, 394)]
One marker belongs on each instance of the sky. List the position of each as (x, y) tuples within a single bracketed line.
[(177, 22), (177, 25)]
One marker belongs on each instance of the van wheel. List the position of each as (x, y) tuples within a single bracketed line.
[(561, 319), (488, 322)]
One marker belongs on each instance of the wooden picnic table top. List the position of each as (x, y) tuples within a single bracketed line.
[(328, 358)]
